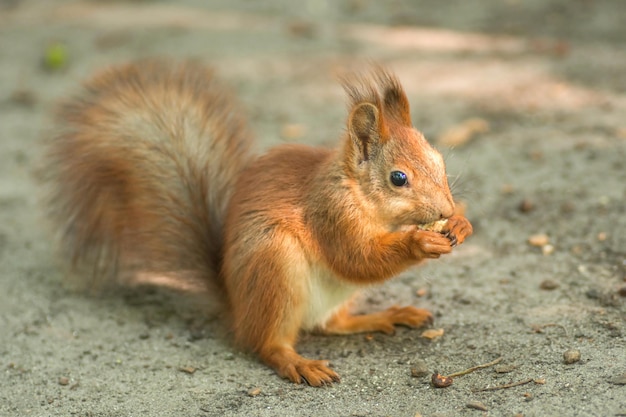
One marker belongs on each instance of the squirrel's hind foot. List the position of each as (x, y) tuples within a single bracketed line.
[(290, 365)]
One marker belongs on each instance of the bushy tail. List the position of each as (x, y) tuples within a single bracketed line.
[(141, 171)]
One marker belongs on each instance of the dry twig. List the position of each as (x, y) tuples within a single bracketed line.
[(474, 368), (505, 386)]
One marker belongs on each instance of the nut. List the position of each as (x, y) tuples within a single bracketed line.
[(440, 381), (436, 226)]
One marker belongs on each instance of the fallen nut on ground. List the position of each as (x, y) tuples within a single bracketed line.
[(440, 381)]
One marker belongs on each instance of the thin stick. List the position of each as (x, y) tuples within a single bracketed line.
[(505, 386), (474, 368)]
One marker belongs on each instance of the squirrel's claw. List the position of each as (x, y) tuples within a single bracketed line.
[(457, 229)]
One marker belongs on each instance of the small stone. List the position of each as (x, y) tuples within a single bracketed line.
[(432, 333), (526, 206), (253, 392), (25, 98), (602, 236), (539, 239), (419, 369), (477, 405), (571, 356), (619, 379), (507, 189), (421, 292), (548, 284), (547, 249), (622, 291), (301, 29), (567, 207), (504, 369), (188, 369), (64, 380), (539, 381)]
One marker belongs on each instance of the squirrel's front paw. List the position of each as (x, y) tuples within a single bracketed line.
[(431, 244), (408, 316), (457, 229)]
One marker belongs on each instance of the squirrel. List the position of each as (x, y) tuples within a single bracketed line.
[(152, 169)]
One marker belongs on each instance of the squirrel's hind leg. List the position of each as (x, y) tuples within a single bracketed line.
[(268, 297), (343, 322)]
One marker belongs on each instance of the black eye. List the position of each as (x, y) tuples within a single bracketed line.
[(398, 178)]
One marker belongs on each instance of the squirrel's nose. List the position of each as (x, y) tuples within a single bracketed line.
[(447, 208), (447, 212)]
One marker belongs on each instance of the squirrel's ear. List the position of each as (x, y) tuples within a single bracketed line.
[(367, 129), (397, 104)]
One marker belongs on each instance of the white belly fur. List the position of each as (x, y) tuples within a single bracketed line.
[(326, 294)]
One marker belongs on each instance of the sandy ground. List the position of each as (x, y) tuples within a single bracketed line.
[(548, 77)]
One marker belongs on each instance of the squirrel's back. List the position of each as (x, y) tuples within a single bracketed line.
[(142, 168)]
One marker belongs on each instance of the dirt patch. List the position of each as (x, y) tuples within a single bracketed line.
[(547, 78)]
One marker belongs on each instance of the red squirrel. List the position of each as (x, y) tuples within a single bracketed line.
[(151, 169)]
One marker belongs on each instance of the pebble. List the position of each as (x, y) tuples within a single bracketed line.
[(477, 405), (419, 369), (619, 379), (622, 291), (526, 206), (64, 380), (432, 333), (504, 369), (539, 239), (188, 369), (253, 392), (567, 207), (23, 97), (549, 284), (571, 356), (547, 249)]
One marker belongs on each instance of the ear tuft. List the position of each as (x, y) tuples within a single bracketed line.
[(394, 98)]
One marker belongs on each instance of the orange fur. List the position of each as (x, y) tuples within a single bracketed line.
[(151, 170)]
